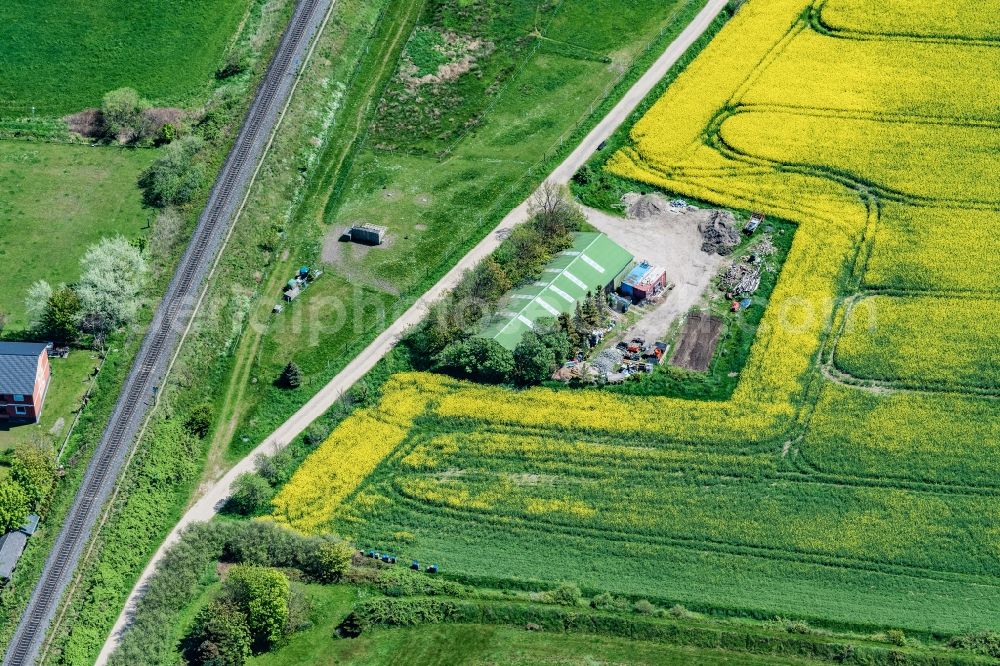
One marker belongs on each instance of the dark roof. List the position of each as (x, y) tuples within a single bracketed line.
[(31, 524), (11, 547), (19, 366)]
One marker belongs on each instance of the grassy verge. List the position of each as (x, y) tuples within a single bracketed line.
[(362, 69)]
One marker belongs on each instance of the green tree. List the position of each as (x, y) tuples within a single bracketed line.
[(533, 361), (199, 421), (61, 318), (262, 594), (490, 281), (291, 376), (329, 560), (589, 313), (110, 286), (219, 636), (567, 594), (552, 335), (34, 468), (483, 359), (174, 177), (251, 494), (14, 506), (124, 114)]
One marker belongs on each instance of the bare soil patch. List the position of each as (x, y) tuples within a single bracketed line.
[(698, 339)]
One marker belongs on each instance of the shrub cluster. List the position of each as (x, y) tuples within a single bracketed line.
[(249, 616), (32, 475), (180, 578)]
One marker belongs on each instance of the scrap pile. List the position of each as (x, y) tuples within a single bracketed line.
[(765, 248), (740, 278), (608, 361), (719, 233)]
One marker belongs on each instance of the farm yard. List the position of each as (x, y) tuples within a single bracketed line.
[(849, 479), (435, 205), (809, 472)]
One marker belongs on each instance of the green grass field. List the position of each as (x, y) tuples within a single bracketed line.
[(55, 200), (478, 644), (61, 57)]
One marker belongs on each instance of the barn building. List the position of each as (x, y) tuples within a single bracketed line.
[(24, 380), (593, 264)]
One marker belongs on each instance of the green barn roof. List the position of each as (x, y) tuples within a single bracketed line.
[(590, 264)]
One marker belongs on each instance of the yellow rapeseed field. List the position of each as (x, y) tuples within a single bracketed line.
[(853, 474)]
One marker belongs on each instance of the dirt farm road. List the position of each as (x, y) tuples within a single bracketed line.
[(209, 503)]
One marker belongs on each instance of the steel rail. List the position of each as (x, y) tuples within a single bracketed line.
[(165, 333)]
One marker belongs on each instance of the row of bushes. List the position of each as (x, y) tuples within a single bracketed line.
[(415, 611), (181, 577)]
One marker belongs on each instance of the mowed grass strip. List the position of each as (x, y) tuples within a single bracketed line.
[(60, 57), (55, 200)]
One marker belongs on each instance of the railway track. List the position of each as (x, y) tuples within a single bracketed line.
[(164, 335)]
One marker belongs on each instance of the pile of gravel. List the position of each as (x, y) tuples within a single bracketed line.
[(642, 206)]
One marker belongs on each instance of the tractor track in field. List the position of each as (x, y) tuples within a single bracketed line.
[(162, 340)]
